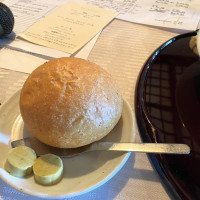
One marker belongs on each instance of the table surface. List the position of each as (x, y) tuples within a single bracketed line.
[(121, 49)]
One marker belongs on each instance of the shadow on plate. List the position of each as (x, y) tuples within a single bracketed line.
[(87, 162)]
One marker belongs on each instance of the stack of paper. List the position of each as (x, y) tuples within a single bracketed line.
[(70, 30)]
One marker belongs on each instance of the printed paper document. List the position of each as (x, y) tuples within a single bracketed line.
[(69, 27), (179, 14)]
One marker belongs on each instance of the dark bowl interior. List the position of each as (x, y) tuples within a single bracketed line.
[(167, 106)]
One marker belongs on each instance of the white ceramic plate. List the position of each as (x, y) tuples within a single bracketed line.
[(82, 173)]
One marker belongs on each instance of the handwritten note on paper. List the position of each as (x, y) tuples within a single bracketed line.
[(180, 14), (28, 12), (69, 27)]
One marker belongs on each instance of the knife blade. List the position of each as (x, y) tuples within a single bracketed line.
[(160, 148)]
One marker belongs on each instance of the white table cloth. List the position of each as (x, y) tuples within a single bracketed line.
[(122, 49)]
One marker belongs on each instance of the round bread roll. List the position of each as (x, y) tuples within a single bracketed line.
[(70, 102)]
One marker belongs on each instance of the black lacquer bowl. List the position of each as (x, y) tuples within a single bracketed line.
[(167, 106)]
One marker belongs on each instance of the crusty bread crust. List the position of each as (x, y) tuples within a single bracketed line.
[(70, 102)]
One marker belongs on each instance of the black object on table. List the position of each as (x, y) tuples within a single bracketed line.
[(167, 106), (6, 20)]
